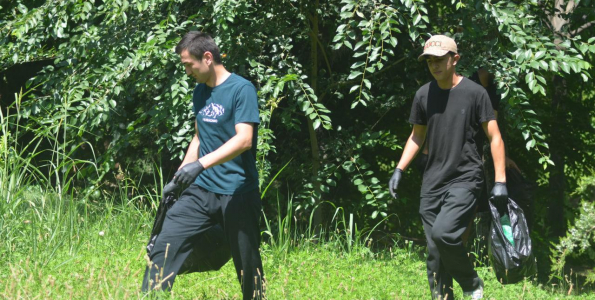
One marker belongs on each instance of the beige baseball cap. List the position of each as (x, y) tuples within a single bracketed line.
[(438, 45)]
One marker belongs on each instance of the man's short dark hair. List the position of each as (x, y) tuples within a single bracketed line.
[(197, 43)]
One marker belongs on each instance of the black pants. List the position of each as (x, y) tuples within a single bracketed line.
[(196, 211), (445, 219)]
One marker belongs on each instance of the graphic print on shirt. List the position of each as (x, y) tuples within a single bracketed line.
[(211, 112)]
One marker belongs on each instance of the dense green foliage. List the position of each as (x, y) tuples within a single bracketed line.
[(111, 102)]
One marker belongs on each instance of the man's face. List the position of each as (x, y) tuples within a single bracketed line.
[(197, 68), (442, 67)]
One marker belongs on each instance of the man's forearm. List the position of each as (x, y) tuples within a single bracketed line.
[(497, 147), (411, 148), (228, 151), (498, 155), (239, 143), (192, 152)]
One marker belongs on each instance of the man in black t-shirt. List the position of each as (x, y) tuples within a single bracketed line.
[(450, 114)]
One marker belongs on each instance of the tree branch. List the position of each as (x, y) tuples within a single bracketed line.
[(583, 27), (372, 75), (570, 6), (315, 37), (328, 65)]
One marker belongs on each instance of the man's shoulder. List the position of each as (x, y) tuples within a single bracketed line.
[(471, 87), (239, 81), (471, 84), (424, 89), (473, 90)]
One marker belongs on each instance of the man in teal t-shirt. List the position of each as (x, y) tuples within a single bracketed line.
[(220, 169)]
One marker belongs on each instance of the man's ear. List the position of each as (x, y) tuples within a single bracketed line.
[(208, 57), (456, 58)]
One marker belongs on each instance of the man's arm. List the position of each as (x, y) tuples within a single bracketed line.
[(414, 143), (497, 147), (239, 143)]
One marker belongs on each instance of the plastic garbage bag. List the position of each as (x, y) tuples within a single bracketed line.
[(505, 221), (511, 263), (210, 252)]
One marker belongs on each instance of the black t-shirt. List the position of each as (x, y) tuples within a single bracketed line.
[(491, 89), (453, 119), (495, 100)]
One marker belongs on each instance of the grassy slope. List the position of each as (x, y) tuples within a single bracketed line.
[(67, 258)]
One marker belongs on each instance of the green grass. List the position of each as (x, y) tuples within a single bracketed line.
[(59, 242), (55, 251)]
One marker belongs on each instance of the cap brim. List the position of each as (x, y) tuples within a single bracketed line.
[(435, 52)]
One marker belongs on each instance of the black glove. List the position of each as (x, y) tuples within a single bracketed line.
[(170, 188), (500, 195), (394, 182), (188, 173)]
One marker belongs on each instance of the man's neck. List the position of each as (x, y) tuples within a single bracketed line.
[(450, 82), (219, 75)]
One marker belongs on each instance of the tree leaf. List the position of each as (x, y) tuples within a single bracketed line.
[(530, 144), (416, 20), (526, 134), (354, 74), (532, 84), (316, 123), (554, 65)]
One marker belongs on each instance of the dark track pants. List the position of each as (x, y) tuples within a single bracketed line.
[(196, 211), (446, 218)]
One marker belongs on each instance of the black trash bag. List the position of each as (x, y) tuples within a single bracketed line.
[(210, 252), (511, 263)]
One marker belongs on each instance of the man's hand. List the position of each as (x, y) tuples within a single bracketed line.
[(500, 195), (170, 188), (188, 173), (394, 182)]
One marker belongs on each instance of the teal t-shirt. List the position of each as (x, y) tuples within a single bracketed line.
[(217, 111)]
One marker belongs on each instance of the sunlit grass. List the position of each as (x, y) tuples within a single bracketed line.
[(103, 258)]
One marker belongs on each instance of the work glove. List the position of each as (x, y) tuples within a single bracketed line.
[(393, 183), (500, 195), (170, 188), (188, 173)]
